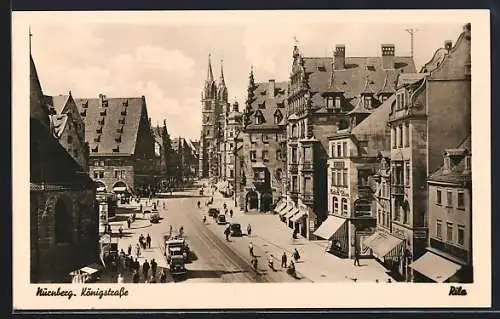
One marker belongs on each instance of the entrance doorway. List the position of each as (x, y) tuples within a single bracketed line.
[(266, 202), (252, 200)]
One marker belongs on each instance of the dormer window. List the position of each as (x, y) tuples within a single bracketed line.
[(83, 113), (101, 121), (277, 117), (125, 103), (116, 149), (121, 121), (367, 102), (103, 112), (259, 119), (97, 138), (124, 112), (467, 163), (337, 102), (447, 163), (95, 149), (118, 138), (400, 100)]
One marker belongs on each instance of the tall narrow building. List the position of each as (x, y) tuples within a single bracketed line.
[(213, 105)]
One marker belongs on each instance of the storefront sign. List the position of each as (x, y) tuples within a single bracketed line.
[(339, 164), (419, 234), (339, 191)]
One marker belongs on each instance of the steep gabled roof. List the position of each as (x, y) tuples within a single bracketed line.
[(57, 102), (270, 104), (457, 174), (111, 123), (376, 122), (351, 79), (59, 124)]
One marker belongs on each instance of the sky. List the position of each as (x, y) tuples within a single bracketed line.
[(167, 63)]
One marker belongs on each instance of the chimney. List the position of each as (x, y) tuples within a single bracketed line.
[(447, 45), (339, 57), (271, 87), (388, 56)]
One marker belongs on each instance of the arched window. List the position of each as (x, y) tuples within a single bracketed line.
[(63, 223), (345, 207), (294, 130), (335, 205)]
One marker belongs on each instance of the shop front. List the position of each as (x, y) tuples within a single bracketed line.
[(432, 267), (388, 250), (335, 229)]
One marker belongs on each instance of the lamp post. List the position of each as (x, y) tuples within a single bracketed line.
[(235, 148)]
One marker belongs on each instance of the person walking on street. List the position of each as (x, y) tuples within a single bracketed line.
[(120, 230), (128, 223), (283, 260), (120, 279), (231, 213), (135, 277), (356, 257), (254, 263), (227, 232), (148, 241), (145, 268), (249, 230), (137, 250), (129, 249), (296, 254), (154, 266), (152, 280), (250, 248), (163, 277)]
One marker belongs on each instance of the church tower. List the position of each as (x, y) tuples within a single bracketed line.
[(210, 113)]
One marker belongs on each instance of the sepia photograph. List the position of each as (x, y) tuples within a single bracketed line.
[(196, 151)]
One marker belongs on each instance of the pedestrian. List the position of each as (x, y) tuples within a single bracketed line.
[(249, 230), (120, 279), (254, 263), (227, 232), (283, 260), (170, 230), (120, 230), (145, 268), (154, 266), (296, 254), (148, 241), (152, 280), (163, 276), (135, 277), (389, 280), (250, 248), (137, 250), (137, 265), (140, 207), (356, 257), (231, 213), (128, 223), (129, 249), (163, 204)]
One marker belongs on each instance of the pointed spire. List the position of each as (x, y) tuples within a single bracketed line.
[(210, 74), (252, 80), (221, 80), (30, 36)]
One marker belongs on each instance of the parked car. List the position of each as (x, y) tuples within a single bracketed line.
[(177, 266), (235, 230), (221, 219), (213, 212)]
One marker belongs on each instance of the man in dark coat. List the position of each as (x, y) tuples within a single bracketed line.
[(145, 269), (283, 260), (148, 241), (154, 265)]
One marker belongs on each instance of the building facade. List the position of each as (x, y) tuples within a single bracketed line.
[(122, 149), (261, 172), (232, 129), (214, 100), (63, 214), (432, 111), (322, 93), (353, 160), (68, 127)]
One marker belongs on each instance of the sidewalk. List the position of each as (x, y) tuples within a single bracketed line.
[(131, 237), (272, 236)]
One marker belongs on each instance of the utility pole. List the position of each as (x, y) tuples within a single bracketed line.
[(412, 38)]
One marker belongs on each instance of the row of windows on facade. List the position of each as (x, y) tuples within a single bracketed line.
[(460, 197), (117, 173), (460, 231), (306, 182), (401, 215), (103, 112), (260, 119), (101, 122), (264, 137), (339, 177), (265, 155), (400, 176), (306, 155), (338, 149), (335, 205), (298, 130), (95, 149), (400, 136)]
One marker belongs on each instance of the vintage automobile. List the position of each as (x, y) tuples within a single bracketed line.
[(213, 212), (221, 219), (154, 216), (177, 266), (176, 247), (235, 230)]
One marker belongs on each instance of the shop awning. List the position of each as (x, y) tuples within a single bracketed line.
[(435, 267), (119, 189), (329, 227), (285, 210), (291, 212), (280, 206), (298, 216), (384, 245)]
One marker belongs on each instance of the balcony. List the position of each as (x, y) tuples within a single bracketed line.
[(294, 168), (307, 167), (307, 197), (397, 190)]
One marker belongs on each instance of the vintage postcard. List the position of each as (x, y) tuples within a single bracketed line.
[(251, 159)]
